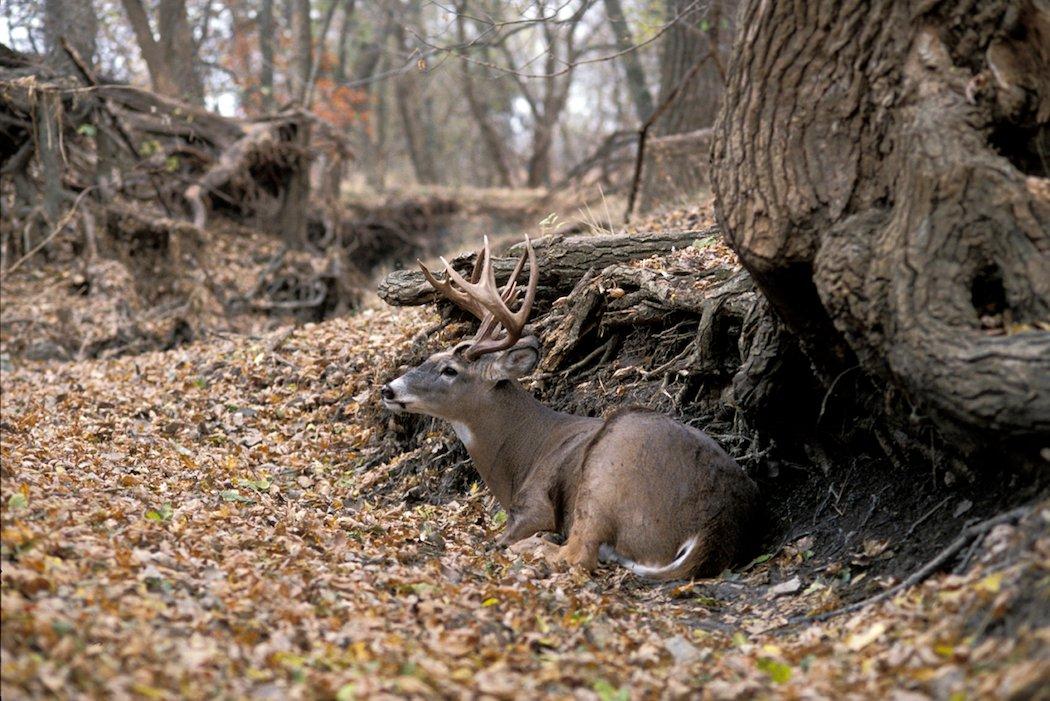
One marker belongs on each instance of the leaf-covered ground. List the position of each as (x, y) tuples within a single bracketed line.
[(206, 522)]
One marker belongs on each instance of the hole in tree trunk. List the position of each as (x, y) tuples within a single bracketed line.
[(1026, 147), (988, 293)]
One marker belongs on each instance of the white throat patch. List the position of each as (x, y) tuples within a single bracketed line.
[(464, 434)]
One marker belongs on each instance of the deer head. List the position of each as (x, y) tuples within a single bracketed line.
[(453, 383)]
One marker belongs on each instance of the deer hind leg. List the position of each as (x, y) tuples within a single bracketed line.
[(581, 549)]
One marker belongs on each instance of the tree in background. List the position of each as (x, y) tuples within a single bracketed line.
[(170, 53), (74, 21), (473, 92), (696, 47), (480, 108), (414, 105), (266, 40), (632, 64)]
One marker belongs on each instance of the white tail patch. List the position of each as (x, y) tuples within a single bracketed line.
[(607, 554)]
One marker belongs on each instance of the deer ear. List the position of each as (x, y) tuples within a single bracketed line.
[(516, 361)]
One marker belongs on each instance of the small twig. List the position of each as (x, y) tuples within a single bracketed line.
[(871, 511), (646, 374), (54, 232), (926, 515), (923, 572), (275, 343), (274, 263), (838, 496), (90, 238), (831, 388), (823, 505), (968, 556)]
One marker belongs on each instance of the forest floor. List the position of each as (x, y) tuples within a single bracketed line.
[(238, 517), (205, 522)]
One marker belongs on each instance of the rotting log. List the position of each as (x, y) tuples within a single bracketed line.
[(562, 261)]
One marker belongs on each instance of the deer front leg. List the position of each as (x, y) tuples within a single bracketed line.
[(531, 518)]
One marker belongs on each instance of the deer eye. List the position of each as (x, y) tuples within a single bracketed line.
[(449, 371)]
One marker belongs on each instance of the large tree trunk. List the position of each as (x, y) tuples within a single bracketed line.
[(870, 165), (76, 21)]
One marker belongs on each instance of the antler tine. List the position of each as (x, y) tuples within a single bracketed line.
[(479, 260), (511, 287), (513, 322), (482, 297), (445, 288)]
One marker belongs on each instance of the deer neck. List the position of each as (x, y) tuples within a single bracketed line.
[(505, 434)]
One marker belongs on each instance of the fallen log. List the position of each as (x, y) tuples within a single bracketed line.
[(562, 261)]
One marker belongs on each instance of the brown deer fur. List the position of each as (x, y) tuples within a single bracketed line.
[(636, 488)]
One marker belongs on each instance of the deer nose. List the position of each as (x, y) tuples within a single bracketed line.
[(386, 392)]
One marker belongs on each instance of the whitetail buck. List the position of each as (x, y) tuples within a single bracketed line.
[(636, 488)]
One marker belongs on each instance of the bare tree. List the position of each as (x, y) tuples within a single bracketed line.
[(304, 48), (342, 47), (690, 59), (562, 49), (266, 31), (170, 53), (632, 64), (495, 143), (408, 91)]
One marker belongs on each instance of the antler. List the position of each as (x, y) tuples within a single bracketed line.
[(481, 297)]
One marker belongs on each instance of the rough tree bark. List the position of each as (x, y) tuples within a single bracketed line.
[(869, 175)]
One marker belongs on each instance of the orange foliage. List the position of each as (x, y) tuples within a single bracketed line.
[(339, 105)]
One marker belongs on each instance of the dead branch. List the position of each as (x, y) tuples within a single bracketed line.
[(62, 222), (943, 557)]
